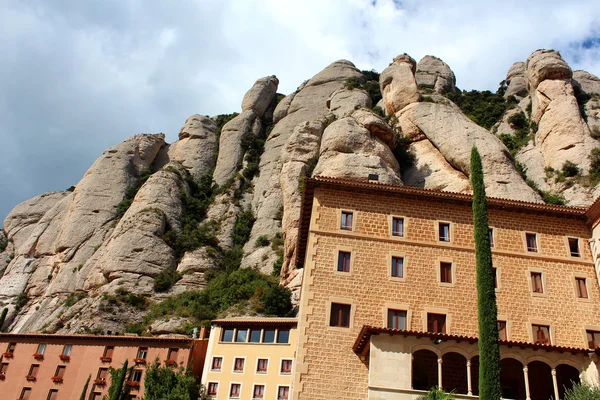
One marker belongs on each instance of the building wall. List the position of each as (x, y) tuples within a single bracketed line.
[(251, 352), (84, 361), (328, 368)]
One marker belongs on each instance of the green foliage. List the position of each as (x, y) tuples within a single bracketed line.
[(137, 328), (277, 265), (484, 108), (277, 247), (570, 169), (489, 350), (20, 301), (3, 243), (549, 198), (404, 156), (528, 110), (379, 111), (222, 119), (595, 163), (124, 297), (581, 391), (262, 241), (74, 298), (436, 393), (243, 227), (3, 318), (595, 132), (370, 85), (254, 147), (427, 99), (70, 189), (352, 83), (85, 388), (130, 193), (164, 383), (582, 98), (279, 214), (277, 300), (518, 121), (166, 279), (116, 389)]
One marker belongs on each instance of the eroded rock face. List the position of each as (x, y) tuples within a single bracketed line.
[(258, 98), (197, 146), (398, 84), (343, 102), (546, 64), (589, 83), (435, 74), (516, 81)]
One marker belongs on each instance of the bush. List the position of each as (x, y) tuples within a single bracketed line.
[(277, 300), (243, 227), (484, 108), (74, 298), (352, 83), (581, 391), (405, 157), (437, 393), (595, 132), (166, 279), (124, 297), (595, 163), (262, 241), (222, 119), (277, 265), (570, 169), (20, 301), (518, 121), (138, 329), (165, 383), (130, 193)]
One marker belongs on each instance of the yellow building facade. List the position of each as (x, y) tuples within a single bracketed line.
[(250, 358)]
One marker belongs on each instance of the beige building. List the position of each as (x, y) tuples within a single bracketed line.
[(250, 358), (389, 298)]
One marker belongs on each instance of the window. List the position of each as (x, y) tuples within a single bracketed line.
[(3, 368), (531, 242), (96, 396), (346, 224), (234, 392), (445, 272), (286, 367), (108, 351), (33, 371), (101, 377), (444, 228), (593, 338), (262, 365), (269, 336), (541, 334), (495, 272), (227, 335), (283, 393), (283, 336), (255, 335), (343, 261), (436, 323), (340, 315), (238, 365), (502, 330), (536, 282), (398, 227), (52, 394), (41, 349), (213, 388), (25, 393), (217, 363), (136, 375), (397, 267), (60, 371), (574, 247), (241, 335), (142, 353), (396, 319), (581, 288), (491, 235), (67, 350), (11, 348), (259, 392), (173, 354)]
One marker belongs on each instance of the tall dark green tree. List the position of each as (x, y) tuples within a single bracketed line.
[(115, 391), (489, 350), (3, 317), (85, 388)]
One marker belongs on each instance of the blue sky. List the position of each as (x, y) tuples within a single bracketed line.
[(80, 76)]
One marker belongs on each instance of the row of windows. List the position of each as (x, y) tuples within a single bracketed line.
[(446, 273), (250, 335), (53, 395), (258, 391), (436, 323), (262, 365), (444, 233)]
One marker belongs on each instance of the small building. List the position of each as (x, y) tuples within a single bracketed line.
[(388, 305), (250, 358), (56, 367)]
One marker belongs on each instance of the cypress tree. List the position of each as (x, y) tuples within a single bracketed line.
[(85, 388), (3, 317), (489, 350), (116, 387)]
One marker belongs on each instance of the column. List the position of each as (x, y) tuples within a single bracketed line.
[(526, 376), (469, 391), (555, 383), (440, 371)]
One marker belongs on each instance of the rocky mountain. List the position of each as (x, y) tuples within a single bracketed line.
[(151, 221)]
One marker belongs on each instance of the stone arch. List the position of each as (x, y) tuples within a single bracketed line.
[(424, 369), (514, 357), (456, 350), (454, 372), (542, 359), (566, 375), (428, 347), (512, 379), (541, 386)]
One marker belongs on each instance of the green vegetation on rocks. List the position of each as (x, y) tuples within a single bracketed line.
[(3, 318), (484, 108), (222, 119), (371, 85), (130, 193), (165, 280)]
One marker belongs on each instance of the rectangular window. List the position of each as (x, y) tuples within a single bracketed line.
[(52, 394), (446, 272), (41, 349), (255, 335), (67, 350), (593, 338), (491, 236), (346, 224), (541, 334), (581, 288), (436, 323), (396, 319), (11, 348), (343, 261), (241, 335), (234, 392), (397, 267), (574, 247), (286, 367), (259, 392), (60, 371), (213, 388), (536, 282), (217, 363), (495, 271), (340, 315), (96, 396), (444, 228), (3, 368), (173, 354), (102, 372), (502, 330), (262, 365), (25, 394), (142, 353), (136, 375), (531, 242), (238, 365), (283, 393), (269, 336), (33, 371), (283, 336), (108, 351), (227, 335), (398, 227)]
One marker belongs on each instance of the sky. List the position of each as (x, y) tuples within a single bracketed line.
[(79, 76)]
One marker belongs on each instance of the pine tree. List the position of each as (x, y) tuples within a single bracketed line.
[(489, 350), (85, 388), (3, 317)]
